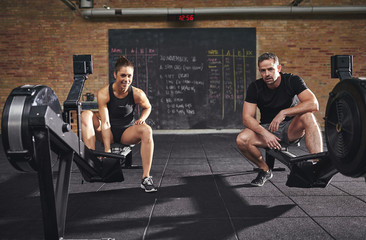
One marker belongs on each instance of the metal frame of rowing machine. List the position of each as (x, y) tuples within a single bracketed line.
[(303, 173), (51, 135), (48, 138)]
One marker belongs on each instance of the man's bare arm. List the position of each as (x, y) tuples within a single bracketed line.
[(308, 103)]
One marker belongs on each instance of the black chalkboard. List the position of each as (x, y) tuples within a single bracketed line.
[(194, 78)]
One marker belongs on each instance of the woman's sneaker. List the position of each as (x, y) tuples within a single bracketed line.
[(262, 177), (148, 185)]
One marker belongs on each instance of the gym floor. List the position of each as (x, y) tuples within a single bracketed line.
[(204, 193)]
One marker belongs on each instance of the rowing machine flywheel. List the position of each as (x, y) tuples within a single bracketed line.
[(17, 140), (345, 127)]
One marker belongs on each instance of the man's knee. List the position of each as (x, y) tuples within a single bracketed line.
[(243, 140), (301, 124), (308, 119)]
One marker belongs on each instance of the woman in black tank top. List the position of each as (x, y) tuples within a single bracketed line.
[(116, 104), (121, 112)]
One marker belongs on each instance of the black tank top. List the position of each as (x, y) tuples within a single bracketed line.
[(121, 110)]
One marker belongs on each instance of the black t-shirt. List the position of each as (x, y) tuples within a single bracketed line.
[(271, 101)]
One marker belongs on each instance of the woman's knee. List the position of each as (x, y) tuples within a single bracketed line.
[(145, 131), (86, 117), (89, 120)]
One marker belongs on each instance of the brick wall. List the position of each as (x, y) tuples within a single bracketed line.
[(39, 37)]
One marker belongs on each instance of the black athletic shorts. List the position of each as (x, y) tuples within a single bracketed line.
[(282, 132), (118, 132)]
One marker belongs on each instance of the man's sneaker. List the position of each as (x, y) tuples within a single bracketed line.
[(262, 177), (148, 185)]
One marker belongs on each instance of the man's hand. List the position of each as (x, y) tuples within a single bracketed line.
[(273, 127), (272, 141)]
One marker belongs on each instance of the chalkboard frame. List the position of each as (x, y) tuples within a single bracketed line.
[(168, 63)]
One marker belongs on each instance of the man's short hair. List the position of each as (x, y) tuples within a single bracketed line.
[(267, 56)]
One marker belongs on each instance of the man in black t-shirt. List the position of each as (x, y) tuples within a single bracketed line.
[(286, 106)]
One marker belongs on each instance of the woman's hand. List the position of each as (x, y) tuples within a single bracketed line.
[(139, 121)]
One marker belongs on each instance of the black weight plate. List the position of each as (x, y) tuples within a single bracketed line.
[(345, 126)]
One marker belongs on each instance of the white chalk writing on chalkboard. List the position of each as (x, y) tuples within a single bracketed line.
[(198, 82)]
